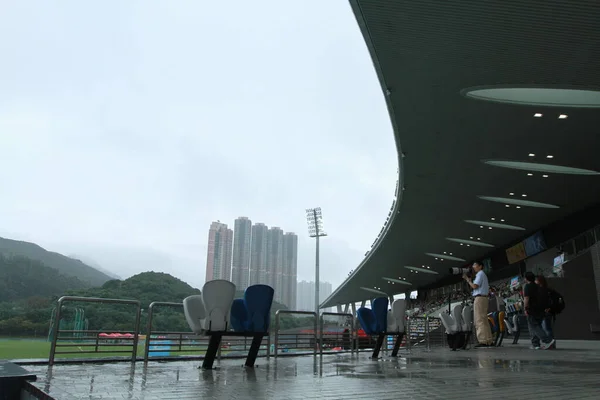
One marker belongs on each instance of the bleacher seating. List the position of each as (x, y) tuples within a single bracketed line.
[(210, 313), (497, 326), (380, 322)]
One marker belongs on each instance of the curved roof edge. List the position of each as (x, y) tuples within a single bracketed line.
[(330, 301)]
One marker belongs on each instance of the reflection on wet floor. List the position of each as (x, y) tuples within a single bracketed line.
[(570, 372)]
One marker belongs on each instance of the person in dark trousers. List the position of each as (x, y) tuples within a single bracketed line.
[(535, 305), (549, 317)]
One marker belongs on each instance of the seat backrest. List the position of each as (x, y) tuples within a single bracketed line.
[(501, 325), (193, 308), (508, 325), (380, 309), (515, 320), (218, 297), (258, 300), (239, 316), (467, 318), (457, 315), (449, 323), (398, 315), (367, 320)]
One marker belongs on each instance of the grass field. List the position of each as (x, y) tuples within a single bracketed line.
[(24, 349)]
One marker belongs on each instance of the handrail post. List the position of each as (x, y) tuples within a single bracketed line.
[(276, 332), (427, 344), (55, 331), (136, 331), (409, 335), (321, 320), (315, 333), (148, 332)]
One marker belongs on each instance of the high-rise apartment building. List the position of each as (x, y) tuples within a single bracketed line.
[(290, 270), (275, 261), (258, 256), (306, 294), (218, 259), (240, 266)]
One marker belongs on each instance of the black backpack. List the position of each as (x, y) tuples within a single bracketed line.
[(557, 302)]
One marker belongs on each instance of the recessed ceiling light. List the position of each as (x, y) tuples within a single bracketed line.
[(501, 220), (517, 202), (494, 224), (493, 219), (507, 205), (462, 244), (450, 253), (481, 226), (544, 176), (489, 227), (469, 242), (470, 237), (518, 206), (549, 156), (511, 194), (537, 167), (419, 269), (478, 238), (468, 245), (537, 115), (444, 257), (530, 174), (531, 155), (444, 252), (524, 195), (535, 96), (562, 116)]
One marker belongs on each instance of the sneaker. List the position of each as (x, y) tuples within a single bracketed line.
[(534, 347), (548, 346)]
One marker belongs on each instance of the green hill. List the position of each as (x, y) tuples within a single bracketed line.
[(21, 278), (65, 265), (31, 316)]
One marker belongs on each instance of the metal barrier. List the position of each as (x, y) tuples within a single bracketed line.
[(97, 341), (297, 335), (352, 332)]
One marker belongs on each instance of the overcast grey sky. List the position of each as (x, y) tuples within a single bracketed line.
[(126, 127)]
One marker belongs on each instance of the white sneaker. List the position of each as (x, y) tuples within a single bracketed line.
[(534, 347), (546, 346)]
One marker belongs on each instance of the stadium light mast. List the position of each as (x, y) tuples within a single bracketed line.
[(314, 217)]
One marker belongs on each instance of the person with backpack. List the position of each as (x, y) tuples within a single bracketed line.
[(536, 303), (556, 305)]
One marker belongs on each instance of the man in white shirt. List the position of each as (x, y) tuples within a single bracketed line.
[(481, 291)]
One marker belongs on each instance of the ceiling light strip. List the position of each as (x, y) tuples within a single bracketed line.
[(396, 281), (471, 242), (495, 225), (518, 202)]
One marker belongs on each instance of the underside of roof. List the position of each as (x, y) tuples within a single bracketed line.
[(489, 101)]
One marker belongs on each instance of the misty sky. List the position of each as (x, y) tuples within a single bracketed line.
[(126, 127)]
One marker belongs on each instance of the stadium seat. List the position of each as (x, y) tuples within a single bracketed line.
[(217, 296), (458, 326), (253, 313), (195, 314), (374, 321), (396, 316), (380, 322)]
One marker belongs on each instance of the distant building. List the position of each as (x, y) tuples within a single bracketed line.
[(240, 266), (306, 294), (290, 270), (274, 276), (258, 256), (218, 259)]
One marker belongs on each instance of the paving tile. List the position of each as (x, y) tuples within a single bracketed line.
[(511, 371)]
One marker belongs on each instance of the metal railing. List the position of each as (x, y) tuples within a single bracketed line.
[(352, 331), (300, 338), (82, 338)]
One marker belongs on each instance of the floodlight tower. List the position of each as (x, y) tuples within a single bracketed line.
[(314, 217)]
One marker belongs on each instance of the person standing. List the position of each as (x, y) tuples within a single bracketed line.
[(481, 289), (549, 316), (536, 303)]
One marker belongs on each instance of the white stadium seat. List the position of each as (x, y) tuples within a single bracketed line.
[(217, 297)]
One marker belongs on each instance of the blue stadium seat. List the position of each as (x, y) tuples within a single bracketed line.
[(375, 322), (253, 312)]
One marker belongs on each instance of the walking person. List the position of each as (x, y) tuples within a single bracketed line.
[(481, 289), (536, 303), (549, 315)]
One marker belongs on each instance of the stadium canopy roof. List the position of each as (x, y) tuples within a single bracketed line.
[(495, 107)]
